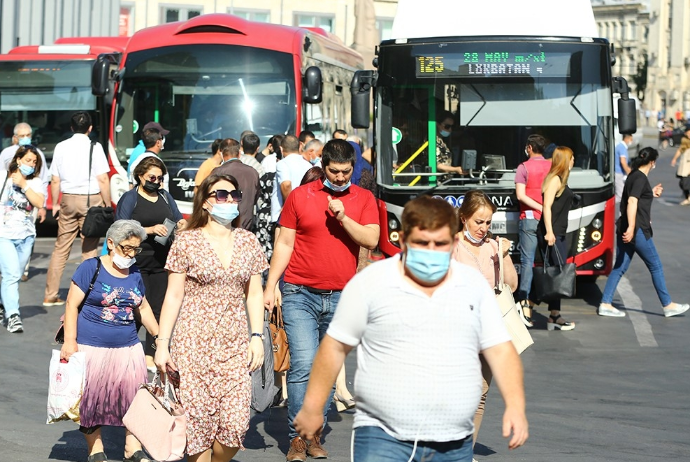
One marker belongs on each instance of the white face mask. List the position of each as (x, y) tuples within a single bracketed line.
[(526, 152), (122, 262)]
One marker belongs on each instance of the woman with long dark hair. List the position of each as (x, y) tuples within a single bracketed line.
[(553, 225), (22, 191), (634, 234), (213, 267), (151, 205)]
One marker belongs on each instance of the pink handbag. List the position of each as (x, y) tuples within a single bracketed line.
[(156, 418)]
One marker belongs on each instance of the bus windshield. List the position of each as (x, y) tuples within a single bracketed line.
[(473, 104), (200, 93), (44, 94)]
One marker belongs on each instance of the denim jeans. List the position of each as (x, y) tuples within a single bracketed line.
[(647, 251), (15, 253), (372, 444), (527, 247), (306, 316)]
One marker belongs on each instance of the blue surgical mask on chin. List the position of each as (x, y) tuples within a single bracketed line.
[(445, 133), (335, 188), (315, 160), (428, 266), (224, 213), (26, 170), (24, 141)]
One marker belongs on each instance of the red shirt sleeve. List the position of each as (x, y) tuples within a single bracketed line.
[(521, 174)]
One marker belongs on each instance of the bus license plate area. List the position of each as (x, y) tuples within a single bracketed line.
[(498, 227)]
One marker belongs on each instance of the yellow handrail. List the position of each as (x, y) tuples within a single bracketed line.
[(412, 157)]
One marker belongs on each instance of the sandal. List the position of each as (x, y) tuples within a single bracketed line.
[(138, 456), (98, 457), (558, 323)]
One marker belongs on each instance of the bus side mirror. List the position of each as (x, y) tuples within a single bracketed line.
[(627, 109), (627, 116), (312, 85), (100, 74), (360, 91)]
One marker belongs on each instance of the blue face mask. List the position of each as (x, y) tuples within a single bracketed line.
[(445, 133), (26, 170), (428, 266), (315, 160), (335, 188), (225, 213), (24, 141)]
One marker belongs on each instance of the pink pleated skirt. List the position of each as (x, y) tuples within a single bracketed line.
[(113, 376)]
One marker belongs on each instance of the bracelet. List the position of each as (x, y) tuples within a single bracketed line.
[(155, 339)]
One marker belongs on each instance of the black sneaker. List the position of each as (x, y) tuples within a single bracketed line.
[(14, 324)]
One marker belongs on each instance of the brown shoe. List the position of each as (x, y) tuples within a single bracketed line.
[(315, 450), (298, 450), (53, 301)]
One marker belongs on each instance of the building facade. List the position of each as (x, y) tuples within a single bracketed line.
[(335, 16), (40, 22)]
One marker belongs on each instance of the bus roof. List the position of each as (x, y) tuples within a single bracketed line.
[(77, 48), (452, 18), (219, 28)]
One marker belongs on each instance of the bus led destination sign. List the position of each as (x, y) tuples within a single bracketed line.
[(493, 64)]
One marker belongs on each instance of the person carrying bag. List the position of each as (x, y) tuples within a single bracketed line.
[(556, 279), (98, 219)]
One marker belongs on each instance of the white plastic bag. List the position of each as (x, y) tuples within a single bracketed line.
[(65, 387)]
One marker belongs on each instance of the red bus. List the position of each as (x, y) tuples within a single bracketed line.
[(217, 75), (45, 85)]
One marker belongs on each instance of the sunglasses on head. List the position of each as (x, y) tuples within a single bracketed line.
[(222, 195), (155, 179)]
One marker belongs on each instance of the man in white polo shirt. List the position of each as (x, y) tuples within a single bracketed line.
[(419, 322), (71, 177)]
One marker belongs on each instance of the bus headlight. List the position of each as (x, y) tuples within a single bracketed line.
[(596, 223), (598, 263), (394, 236), (596, 236), (393, 224)]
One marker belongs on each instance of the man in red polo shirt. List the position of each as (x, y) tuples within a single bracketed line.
[(323, 225)]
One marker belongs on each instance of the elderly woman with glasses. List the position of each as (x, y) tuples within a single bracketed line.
[(156, 210), (213, 267), (22, 192), (105, 296)]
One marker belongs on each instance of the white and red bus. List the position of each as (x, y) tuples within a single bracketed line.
[(44, 85), (518, 71), (217, 75)]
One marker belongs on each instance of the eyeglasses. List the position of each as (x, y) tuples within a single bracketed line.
[(128, 249), (222, 195), (447, 126), (155, 179), (25, 135)]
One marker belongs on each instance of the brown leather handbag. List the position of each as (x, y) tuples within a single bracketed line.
[(281, 351)]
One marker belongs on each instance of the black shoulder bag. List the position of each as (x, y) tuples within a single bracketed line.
[(98, 219), (60, 334)]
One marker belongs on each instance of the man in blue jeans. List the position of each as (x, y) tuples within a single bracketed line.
[(323, 225), (419, 322), (528, 180)]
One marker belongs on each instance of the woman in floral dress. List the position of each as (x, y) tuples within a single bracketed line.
[(213, 265)]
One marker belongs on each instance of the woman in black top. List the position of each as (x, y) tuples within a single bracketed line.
[(151, 205), (557, 199), (635, 236)]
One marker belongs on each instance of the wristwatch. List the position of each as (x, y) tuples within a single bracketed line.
[(256, 334)]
